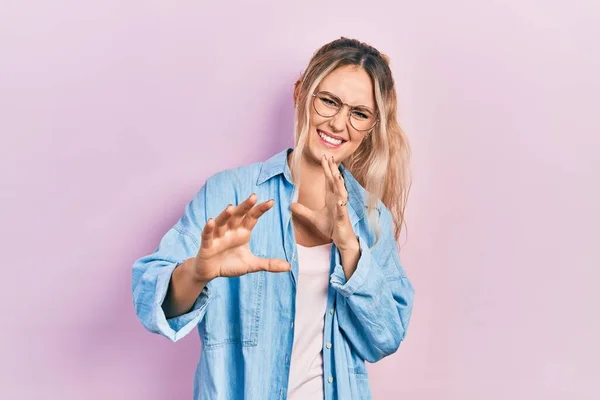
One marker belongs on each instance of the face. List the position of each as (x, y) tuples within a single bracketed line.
[(353, 86)]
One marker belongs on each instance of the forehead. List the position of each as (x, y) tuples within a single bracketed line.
[(350, 83)]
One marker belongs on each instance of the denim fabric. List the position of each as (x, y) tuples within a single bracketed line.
[(246, 323)]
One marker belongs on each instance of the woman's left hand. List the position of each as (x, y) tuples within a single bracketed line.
[(332, 220)]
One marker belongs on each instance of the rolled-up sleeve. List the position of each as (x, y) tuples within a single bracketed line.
[(152, 274), (374, 306)]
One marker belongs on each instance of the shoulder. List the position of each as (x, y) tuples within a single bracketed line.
[(236, 177), (360, 196), (233, 185), (250, 175)]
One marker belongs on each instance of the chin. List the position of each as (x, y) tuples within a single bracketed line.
[(315, 153)]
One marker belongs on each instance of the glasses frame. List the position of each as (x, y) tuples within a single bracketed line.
[(350, 109)]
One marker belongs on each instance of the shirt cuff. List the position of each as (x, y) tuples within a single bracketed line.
[(177, 327), (358, 278)]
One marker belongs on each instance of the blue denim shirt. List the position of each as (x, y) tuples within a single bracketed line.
[(246, 324)]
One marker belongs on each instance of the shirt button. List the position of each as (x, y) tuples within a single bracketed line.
[(329, 345), (331, 311), (330, 380), (292, 325)]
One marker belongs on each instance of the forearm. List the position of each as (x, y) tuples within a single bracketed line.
[(349, 257), (183, 290), (375, 316), (375, 303)]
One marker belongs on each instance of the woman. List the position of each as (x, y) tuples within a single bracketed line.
[(292, 295)]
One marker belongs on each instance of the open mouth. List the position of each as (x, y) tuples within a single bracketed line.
[(330, 141)]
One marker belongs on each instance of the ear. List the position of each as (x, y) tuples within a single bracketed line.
[(297, 91)]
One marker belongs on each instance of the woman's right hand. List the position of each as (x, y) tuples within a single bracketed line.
[(225, 251)]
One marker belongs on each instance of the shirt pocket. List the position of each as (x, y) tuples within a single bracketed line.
[(359, 376), (234, 315), (359, 379)]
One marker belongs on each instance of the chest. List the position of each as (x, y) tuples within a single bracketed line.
[(306, 235)]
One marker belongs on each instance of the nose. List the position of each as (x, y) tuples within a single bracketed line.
[(338, 121)]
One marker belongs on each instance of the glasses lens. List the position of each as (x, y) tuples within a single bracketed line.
[(362, 119), (326, 105)]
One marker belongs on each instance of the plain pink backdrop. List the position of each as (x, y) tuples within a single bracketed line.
[(112, 113)]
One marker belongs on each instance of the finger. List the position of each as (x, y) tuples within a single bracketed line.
[(338, 179), (340, 186), (222, 219), (328, 175), (251, 218), (268, 264), (302, 211), (241, 210), (207, 234)]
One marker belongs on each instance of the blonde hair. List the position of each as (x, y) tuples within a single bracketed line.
[(381, 162)]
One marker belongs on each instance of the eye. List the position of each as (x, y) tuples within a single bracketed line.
[(328, 102), (360, 115)]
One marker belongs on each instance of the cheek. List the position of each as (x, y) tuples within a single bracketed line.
[(316, 120), (356, 140)]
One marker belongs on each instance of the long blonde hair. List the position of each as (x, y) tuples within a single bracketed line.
[(381, 162)]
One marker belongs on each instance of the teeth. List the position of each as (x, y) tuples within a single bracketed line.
[(329, 139)]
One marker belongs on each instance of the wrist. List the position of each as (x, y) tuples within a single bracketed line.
[(349, 246), (190, 270)]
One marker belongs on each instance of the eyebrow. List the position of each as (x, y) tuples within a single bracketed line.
[(372, 109)]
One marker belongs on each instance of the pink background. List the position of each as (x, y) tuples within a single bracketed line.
[(113, 113)]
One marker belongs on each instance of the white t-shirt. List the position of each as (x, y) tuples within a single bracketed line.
[(306, 367)]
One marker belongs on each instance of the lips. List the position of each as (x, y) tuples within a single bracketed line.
[(331, 135), (328, 141)]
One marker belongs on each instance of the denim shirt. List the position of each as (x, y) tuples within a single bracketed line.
[(246, 324)]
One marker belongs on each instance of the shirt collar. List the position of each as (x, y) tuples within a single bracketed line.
[(274, 166)]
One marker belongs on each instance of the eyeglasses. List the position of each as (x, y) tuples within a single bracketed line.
[(327, 105)]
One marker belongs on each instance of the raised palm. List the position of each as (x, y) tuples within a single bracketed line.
[(332, 219), (225, 251)]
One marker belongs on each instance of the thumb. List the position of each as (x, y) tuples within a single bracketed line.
[(268, 264), (302, 211)]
